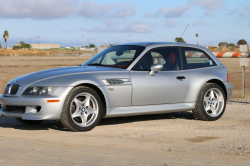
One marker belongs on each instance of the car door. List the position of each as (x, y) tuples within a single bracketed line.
[(167, 86)]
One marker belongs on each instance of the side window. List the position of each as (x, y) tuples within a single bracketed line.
[(197, 59), (144, 63), (169, 57)]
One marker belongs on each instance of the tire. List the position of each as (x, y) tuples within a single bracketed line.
[(29, 122), (211, 103), (82, 109)]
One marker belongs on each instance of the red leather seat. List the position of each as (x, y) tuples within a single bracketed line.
[(171, 62)]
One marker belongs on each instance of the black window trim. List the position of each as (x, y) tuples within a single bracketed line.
[(185, 60)]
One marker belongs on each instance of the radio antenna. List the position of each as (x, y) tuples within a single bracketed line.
[(185, 30)]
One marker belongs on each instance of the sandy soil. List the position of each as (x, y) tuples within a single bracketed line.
[(166, 139)]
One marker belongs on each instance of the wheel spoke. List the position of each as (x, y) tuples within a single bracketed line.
[(84, 118), (87, 101), (78, 103), (206, 99), (213, 109), (207, 108), (77, 113), (211, 94), (216, 101), (92, 111)]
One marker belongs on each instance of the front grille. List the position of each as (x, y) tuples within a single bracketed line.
[(14, 89), (7, 89)]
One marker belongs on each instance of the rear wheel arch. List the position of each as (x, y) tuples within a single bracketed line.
[(100, 93), (220, 83)]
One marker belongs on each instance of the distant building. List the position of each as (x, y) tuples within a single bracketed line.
[(43, 46), (216, 46), (101, 48)]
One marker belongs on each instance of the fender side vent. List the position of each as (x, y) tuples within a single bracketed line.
[(123, 81)]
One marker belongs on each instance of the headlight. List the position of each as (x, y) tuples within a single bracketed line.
[(40, 90)]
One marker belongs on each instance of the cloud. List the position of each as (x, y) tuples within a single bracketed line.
[(148, 15), (209, 4), (245, 11), (209, 13), (40, 9), (171, 23), (125, 10), (109, 23), (92, 9), (134, 27), (175, 11), (200, 23), (68, 31), (52, 9)]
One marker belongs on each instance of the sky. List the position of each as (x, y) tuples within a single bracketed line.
[(103, 21)]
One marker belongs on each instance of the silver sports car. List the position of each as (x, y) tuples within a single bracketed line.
[(123, 80)]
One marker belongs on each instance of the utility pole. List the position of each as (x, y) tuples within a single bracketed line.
[(153, 39), (17, 41), (38, 39), (117, 40), (30, 40), (88, 42), (83, 41)]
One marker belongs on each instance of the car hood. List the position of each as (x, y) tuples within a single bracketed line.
[(46, 74)]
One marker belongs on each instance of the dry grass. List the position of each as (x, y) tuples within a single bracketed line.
[(35, 52), (224, 49), (12, 67), (21, 52)]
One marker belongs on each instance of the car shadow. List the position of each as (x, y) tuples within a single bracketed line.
[(150, 117), (6, 122)]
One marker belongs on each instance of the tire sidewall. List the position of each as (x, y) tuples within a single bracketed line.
[(201, 105)]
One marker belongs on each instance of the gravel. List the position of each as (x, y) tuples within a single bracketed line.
[(163, 139)]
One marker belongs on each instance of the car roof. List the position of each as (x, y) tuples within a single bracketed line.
[(161, 44)]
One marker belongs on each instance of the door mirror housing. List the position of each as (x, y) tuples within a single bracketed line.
[(154, 68)]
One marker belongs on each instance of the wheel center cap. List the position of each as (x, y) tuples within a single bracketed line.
[(210, 102), (83, 109)]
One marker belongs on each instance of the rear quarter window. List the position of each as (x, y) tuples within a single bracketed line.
[(196, 58)]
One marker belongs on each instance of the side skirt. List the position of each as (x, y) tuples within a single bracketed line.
[(149, 109)]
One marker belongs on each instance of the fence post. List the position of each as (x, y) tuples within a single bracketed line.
[(243, 63)]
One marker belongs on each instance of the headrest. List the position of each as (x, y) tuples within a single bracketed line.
[(171, 58)]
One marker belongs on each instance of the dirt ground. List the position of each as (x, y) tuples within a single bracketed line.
[(12, 67), (164, 139)]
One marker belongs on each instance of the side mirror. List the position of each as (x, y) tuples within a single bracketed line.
[(154, 68)]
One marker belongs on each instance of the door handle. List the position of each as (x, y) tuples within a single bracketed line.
[(181, 77)]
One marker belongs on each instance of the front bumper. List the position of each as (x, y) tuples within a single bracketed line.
[(35, 107)]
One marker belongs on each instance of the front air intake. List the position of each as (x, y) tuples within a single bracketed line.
[(14, 89)]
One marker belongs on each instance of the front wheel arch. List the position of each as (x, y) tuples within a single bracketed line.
[(95, 88)]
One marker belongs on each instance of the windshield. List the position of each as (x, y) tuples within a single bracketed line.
[(116, 56)]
